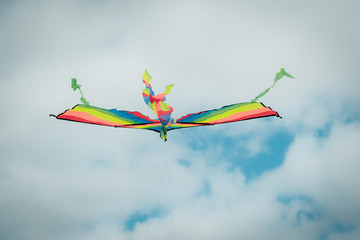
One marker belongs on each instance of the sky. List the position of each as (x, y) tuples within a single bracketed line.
[(290, 178)]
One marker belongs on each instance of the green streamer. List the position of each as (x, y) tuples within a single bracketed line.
[(168, 88), (163, 133), (75, 86), (278, 76)]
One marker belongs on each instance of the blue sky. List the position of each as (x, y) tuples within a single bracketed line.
[(290, 178)]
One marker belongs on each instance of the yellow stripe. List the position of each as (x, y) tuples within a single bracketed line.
[(147, 126), (101, 115), (243, 108), (164, 106)]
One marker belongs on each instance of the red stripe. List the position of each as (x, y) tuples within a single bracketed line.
[(255, 113), (86, 118)]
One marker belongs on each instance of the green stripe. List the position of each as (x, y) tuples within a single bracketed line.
[(228, 111), (103, 114)]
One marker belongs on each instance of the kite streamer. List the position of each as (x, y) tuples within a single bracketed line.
[(75, 86), (278, 76)]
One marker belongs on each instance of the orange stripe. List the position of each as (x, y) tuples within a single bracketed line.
[(86, 118)]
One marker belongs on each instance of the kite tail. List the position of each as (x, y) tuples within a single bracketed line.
[(75, 86), (278, 76)]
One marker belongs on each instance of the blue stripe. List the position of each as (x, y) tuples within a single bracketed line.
[(130, 116)]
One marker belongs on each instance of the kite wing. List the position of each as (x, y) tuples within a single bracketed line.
[(226, 114), (114, 118)]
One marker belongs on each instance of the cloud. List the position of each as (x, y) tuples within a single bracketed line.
[(62, 180)]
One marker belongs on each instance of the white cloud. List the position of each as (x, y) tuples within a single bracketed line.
[(62, 180)]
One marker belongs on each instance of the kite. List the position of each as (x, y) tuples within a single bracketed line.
[(85, 113)]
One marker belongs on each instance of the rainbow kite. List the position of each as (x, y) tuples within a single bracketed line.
[(119, 118)]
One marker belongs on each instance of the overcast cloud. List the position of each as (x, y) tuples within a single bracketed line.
[(290, 178)]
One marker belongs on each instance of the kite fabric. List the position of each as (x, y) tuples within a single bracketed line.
[(157, 103), (86, 113), (278, 76), (75, 86)]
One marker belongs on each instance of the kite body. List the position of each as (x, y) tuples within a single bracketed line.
[(157, 104), (86, 113)]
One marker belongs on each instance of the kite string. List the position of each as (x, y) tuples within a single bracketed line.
[(169, 191)]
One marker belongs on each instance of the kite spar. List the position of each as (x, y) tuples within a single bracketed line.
[(85, 113)]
